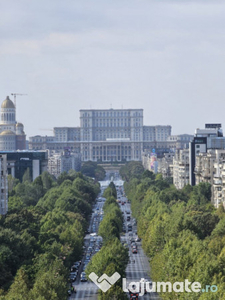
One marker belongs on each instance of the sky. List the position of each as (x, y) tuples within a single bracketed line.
[(165, 56)]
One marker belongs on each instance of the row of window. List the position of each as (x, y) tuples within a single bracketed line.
[(111, 113)]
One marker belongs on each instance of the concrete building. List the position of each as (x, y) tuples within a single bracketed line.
[(19, 161), (181, 168), (204, 166), (70, 161), (105, 136), (165, 165), (12, 136), (54, 164), (165, 151), (210, 167), (4, 185), (150, 162), (64, 162), (209, 138), (180, 141)]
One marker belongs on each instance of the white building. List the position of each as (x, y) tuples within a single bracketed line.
[(209, 138), (165, 165), (64, 162), (181, 168), (12, 136), (105, 136)]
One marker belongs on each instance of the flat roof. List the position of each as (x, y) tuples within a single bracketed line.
[(110, 109)]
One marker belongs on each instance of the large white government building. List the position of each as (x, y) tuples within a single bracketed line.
[(105, 135)]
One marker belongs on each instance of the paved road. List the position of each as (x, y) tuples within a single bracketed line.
[(85, 290), (134, 272), (88, 290), (138, 267)]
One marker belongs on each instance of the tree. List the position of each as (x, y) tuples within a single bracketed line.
[(92, 169), (12, 182), (20, 288), (27, 176)]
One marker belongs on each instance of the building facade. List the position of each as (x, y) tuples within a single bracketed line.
[(19, 161), (210, 167), (105, 136), (209, 138), (64, 162), (165, 165), (12, 136), (181, 168)]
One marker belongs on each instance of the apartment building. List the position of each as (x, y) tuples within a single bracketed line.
[(181, 168)]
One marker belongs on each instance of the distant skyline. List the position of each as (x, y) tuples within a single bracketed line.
[(165, 56)]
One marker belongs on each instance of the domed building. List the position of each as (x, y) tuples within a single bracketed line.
[(12, 136)]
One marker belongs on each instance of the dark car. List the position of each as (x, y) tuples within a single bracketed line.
[(83, 277)]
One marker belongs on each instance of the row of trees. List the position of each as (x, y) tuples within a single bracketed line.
[(92, 169), (113, 256), (42, 235), (182, 233)]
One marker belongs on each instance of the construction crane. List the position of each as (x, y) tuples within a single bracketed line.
[(16, 94)]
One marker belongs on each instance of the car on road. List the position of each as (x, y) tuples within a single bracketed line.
[(73, 276), (133, 296), (134, 250), (83, 277), (129, 227)]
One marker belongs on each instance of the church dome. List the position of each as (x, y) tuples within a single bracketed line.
[(7, 103), (7, 132)]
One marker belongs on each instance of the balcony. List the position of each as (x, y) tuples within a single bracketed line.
[(217, 181)]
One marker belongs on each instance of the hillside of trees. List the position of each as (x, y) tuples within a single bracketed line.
[(42, 234), (182, 233)]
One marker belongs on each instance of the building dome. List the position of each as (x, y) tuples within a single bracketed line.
[(7, 103), (7, 132), (19, 125)]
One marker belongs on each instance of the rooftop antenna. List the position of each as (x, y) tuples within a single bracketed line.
[(111, 105)]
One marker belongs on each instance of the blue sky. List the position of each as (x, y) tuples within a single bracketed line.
[(167, 57)]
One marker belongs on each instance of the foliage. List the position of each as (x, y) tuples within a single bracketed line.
[(92, 169), (110, 191), (132, 169), (42, 234), (181, 232)]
